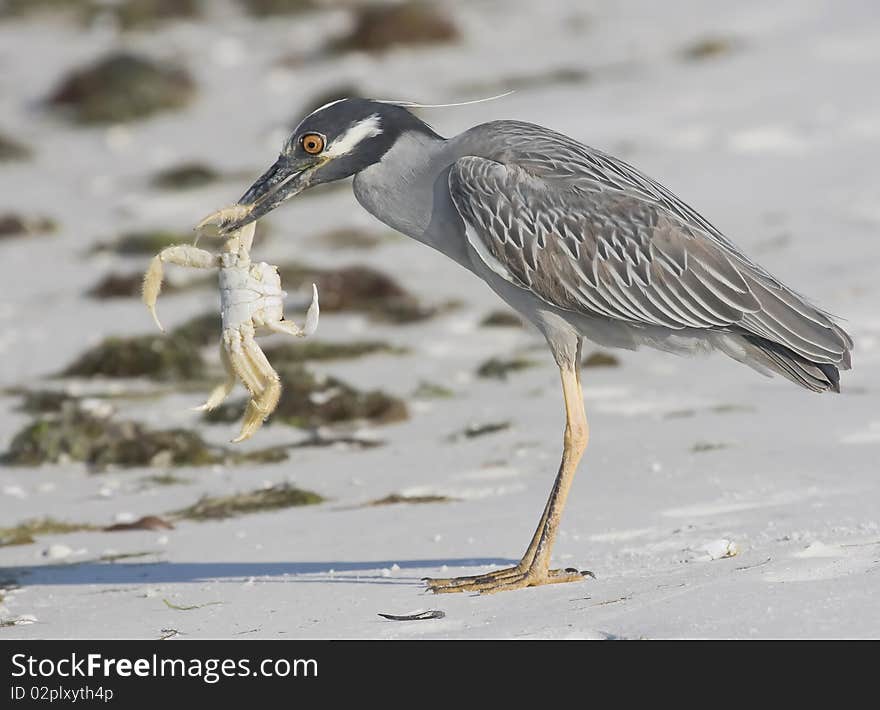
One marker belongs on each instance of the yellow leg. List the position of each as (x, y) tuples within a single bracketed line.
[(534, 568)]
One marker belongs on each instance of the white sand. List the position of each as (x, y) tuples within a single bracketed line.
[(778, 143)]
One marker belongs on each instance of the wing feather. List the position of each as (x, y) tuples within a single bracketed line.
[(629, 251)]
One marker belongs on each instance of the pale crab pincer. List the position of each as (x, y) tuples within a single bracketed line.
[(251, 303)]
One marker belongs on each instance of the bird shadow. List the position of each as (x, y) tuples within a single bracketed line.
[(160, 572)]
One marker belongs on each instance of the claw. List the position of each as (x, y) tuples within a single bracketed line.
[(312, 315), (152, 286), (223, 216), (258, 410)]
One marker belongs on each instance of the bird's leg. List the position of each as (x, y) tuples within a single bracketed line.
[(534, 568)]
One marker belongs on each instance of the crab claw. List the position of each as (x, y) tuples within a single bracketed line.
[(312, 315), (224, 216), (152, 286)]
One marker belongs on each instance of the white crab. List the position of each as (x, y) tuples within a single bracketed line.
[(251, 300)]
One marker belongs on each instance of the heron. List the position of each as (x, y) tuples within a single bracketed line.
[(578, 242)]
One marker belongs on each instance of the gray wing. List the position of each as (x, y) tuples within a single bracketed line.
[(606, 241)]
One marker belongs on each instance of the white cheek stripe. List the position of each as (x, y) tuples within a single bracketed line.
[(358, 132)]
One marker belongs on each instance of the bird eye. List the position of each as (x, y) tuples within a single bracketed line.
[(312, 143)]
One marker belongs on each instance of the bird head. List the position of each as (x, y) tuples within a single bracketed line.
[(333, 142)]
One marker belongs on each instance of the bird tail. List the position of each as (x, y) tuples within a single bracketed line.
[(814, 376), (790, 337)]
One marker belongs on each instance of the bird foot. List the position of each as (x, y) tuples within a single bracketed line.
[(504, 580)]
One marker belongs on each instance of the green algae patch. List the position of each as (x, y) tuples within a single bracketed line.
[(277, 497), (161, 357), (432, 390), (499, 369), (501, 319), (199, 330), (14, 225), (600, 359), (187, 176), (317, 351), (269, 8), (702, 447), (148, 242), (12, 150), (477, 430), (708, 48), (163, 479), (99, 442), (121, 87), (128, 14), (398, 498), (309, 401), (359, 289), (27, 532), (379, 27)]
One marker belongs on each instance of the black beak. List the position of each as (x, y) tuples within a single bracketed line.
[(280, 182)]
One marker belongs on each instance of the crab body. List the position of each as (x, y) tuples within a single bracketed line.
[(249, 293), (251, 301)]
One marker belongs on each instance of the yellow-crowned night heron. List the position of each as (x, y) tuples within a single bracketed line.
[(578, 242)]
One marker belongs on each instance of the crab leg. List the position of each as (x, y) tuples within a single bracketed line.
[(263, 404), (221, 391), (182, 255), (241, 364)]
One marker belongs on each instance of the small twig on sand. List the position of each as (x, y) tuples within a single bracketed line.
[(759, 564), (188, 608), (421, 616)]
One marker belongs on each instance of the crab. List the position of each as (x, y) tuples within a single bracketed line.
[(251, 303)]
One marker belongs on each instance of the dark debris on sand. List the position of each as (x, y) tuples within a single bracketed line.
[(309, 401), (14, 225), (276, 497), (13, 150), (379, 27), (121, 87), (75, 434)]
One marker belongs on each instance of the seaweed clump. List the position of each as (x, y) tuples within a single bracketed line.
[(157, 356), (496, 368), (360, 289), (268, 8), (318, 350), (186, 176), (129, 14), (707, 48), (74, 434), (144, 243), (398, 498), (122, 87), (12, 150), (309, 401), (116, 285), (378, 28), (501, 319), (600, 359), (13, 225), (167, 357), (276, 497), (25, 533)]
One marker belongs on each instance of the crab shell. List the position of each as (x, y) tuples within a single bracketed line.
[(249, 293)]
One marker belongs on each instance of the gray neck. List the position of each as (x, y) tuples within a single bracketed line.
[(408, 190)]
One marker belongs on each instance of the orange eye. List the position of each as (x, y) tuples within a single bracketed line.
[(312, 143)]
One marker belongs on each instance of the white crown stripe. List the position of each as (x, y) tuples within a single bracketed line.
[(356, 133)]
